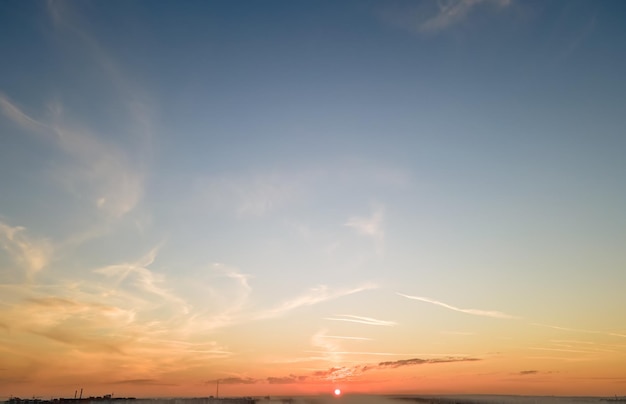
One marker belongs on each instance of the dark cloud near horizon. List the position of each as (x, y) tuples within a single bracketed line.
[(528, 372), (329, 372), (234, 380), (143, 382), (418, 361), (14, 380), (287, 380), (339, 373)]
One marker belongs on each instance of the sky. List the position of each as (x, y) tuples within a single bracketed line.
[(288, 197)]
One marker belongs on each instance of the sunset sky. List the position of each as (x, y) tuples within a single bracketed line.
[(293, 196)]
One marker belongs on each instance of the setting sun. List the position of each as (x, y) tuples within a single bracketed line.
[(337, 392)]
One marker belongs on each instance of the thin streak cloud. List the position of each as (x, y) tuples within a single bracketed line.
[(314, 296), (580, 330), (561, 350), (474, 312), (453, 12), (360, 320), (556, 327), (361, 353), (347, 337), (15, 114), (393, 353)]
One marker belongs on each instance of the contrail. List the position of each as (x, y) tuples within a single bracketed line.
[(475, 312)]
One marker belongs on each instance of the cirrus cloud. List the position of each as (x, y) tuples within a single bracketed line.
[(474, 312)]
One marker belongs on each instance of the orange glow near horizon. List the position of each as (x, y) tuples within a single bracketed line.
[(159, 368), (464, 378)]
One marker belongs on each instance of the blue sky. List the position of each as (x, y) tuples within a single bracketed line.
[(198, 172)]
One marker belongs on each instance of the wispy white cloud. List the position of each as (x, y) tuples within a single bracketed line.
[(109, 333), (361, 320), (254, 194), (15, 114), (374, 353), (562, 350), (590, 347), (241, 279), (262, 192), (360, 353), (108, 175), (295, 359), (31, 254), (572, 341), (466, 333), (581, 330), (371, 226), (71, 27), (347, 337), (329, 348), (315, 295), (100, 172), (568, 358), (555, 327), (454, 11), (64, 319), (475, 312), (230, 291), (143, 278)]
